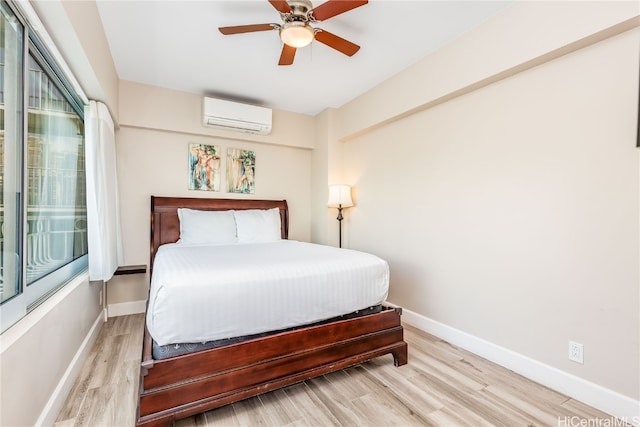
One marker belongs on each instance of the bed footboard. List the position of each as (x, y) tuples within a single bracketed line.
[(186, 385)]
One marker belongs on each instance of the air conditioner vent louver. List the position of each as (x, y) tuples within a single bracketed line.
[(236, 116)]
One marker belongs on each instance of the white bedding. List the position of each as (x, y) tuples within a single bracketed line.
[(206, 292)]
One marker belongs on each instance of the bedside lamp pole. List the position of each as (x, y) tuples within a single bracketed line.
[(340, 197)]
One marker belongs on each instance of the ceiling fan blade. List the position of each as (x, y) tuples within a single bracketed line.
[(286, 57), (331, 8), (238, 29), (281, 6), (338, 43)]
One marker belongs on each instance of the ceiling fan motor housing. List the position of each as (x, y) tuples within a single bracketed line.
[(299, 10)]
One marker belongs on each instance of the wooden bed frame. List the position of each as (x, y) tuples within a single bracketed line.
[(182, 386)]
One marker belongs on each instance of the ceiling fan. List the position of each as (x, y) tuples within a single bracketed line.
[(296, 31)]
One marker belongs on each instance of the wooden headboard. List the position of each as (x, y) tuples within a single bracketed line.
[(165, 225)]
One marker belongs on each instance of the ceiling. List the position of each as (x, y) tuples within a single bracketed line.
[(177, 45)]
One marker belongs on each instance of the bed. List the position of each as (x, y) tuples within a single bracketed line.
[(213, 366)]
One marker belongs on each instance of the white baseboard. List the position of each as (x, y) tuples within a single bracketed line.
[(56, 401), (606, 400), (126, 308)]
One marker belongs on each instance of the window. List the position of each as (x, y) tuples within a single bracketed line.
[(43, 223)]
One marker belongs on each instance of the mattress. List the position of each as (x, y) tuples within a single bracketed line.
[(202, 293)]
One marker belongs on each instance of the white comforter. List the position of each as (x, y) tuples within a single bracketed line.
[(203, 293)]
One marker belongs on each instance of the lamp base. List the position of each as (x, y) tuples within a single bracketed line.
[(340, 218)]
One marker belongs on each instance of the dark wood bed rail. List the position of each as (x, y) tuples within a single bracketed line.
[(181, 386)]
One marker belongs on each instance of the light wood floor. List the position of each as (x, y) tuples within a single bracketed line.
[(440, 386)]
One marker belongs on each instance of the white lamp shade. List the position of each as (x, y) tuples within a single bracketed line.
[(340, 195)]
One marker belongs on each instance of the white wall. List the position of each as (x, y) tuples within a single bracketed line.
[(508, 207)]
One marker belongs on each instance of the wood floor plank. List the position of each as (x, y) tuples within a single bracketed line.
[(70, 409), (378, 411), (435, 347), (344, 385), (279, 410), (66, 423), (105, 392), (441, 385), (464, 402), (100, 409), (544, 411), (586, 412), (336, 396), (415, 396), (402, 410), (221, 417), (250, 412), (309, 406), (493, 374)]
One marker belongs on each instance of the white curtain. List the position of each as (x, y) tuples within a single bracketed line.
[(103, 210)]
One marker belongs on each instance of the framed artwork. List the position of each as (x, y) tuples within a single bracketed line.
[(241, 169), (204, 167)]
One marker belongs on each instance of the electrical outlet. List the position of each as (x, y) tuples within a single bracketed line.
[(576, 352), (100, 301)]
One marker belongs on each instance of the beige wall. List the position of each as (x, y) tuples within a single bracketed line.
[(326, 169), (41, 355), (522, 35), (509, 209), (151, 146), (37, 354), (497, 176)]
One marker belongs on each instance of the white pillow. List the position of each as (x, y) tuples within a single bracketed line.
[(207, 227), (258, 225)]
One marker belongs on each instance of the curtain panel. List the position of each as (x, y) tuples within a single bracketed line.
[(103, 210)]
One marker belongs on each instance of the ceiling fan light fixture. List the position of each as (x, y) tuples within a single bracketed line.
[(296, 34)]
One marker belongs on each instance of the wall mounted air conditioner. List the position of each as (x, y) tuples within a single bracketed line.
[(231, 115)]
